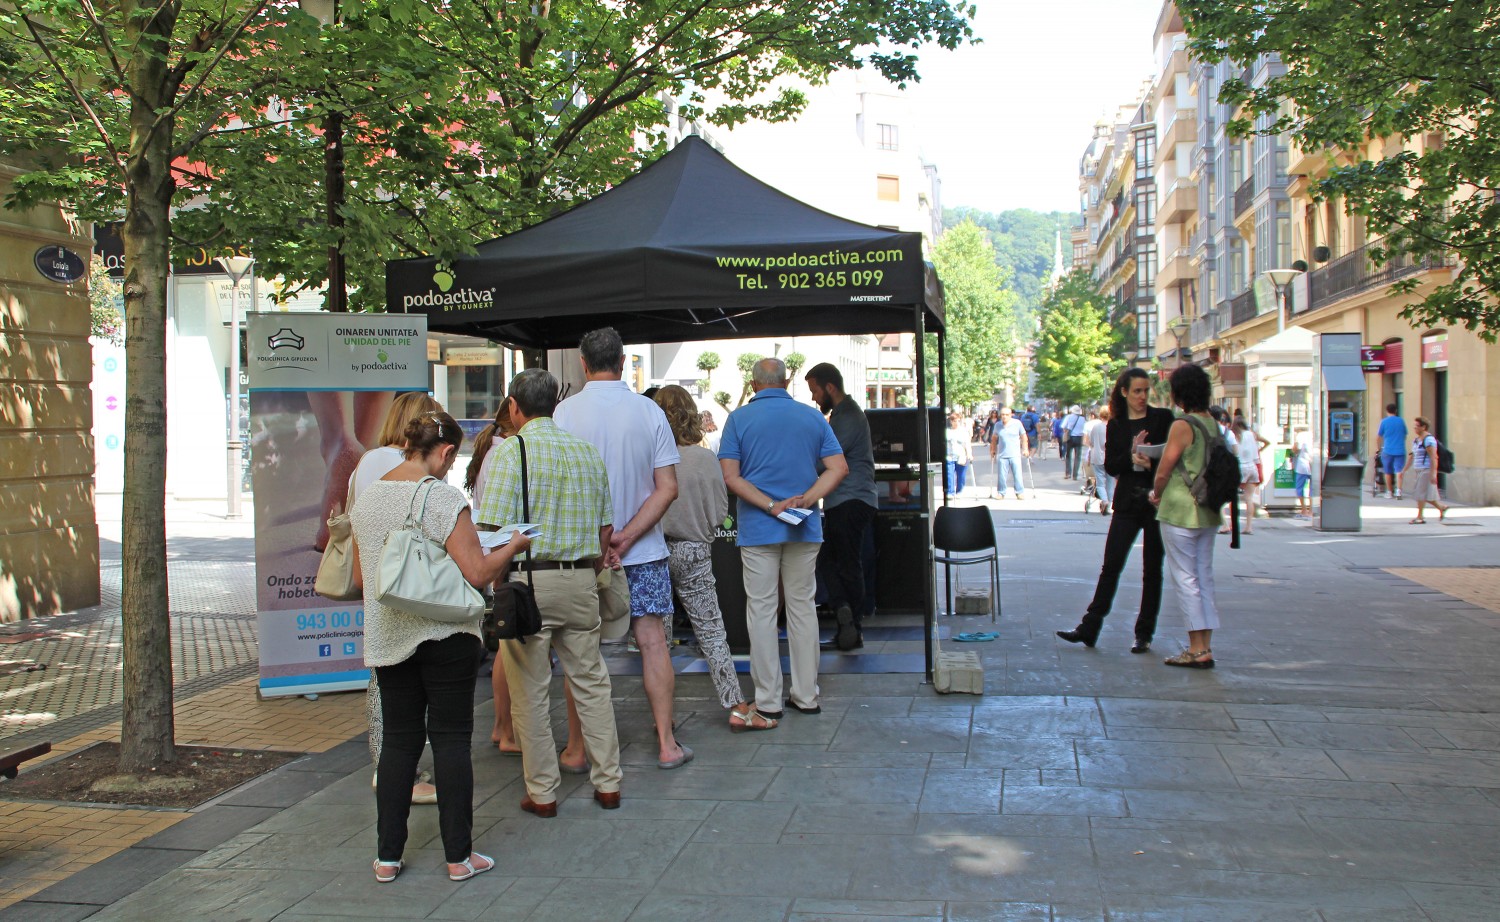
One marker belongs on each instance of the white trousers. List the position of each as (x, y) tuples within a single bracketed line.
[(1190, 564), (790, 568)]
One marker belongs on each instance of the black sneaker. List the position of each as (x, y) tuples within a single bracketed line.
[(846, 637)]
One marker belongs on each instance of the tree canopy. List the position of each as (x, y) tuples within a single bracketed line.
[(1075, 345), (980, 316), (1422, 72)]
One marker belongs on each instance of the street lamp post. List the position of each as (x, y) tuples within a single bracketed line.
[(237, 267), (1282, 279), (1178, 326), (1130, 356)]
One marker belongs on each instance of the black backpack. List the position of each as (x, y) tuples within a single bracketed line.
[(1444, 458), (1219, 481)]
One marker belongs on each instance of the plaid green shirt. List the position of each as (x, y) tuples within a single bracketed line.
[(568, 486)]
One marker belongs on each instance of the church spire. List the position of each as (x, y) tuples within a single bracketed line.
[(1057, 263)]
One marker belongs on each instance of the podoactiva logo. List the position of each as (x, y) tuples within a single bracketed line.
[(449, 298)]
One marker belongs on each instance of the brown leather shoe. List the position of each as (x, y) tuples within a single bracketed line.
[(609, 800), (545, 811)]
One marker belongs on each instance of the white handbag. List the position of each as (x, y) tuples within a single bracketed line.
[(416, 574)]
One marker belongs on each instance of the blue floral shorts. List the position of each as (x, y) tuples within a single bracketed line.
[(650, 589)]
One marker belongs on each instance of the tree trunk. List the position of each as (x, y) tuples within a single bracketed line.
[(337, 300), (146, 733)]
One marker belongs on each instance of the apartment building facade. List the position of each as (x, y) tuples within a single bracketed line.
[(1230, 209), (1116, 238)]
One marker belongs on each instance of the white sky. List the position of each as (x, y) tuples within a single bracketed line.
[(1005, 121)]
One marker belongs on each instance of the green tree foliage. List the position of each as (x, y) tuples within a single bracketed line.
[(105, 319), (707, 361), (1025, 243), (745, 362), (1399, 70), (980, 314), (1073, 354), (464, 121)]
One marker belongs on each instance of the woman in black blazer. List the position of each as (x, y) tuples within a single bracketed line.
[(1132, 423)]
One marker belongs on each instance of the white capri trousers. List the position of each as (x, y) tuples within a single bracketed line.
[(1190, 564)]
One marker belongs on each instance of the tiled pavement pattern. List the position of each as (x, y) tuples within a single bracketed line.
[(1476, 585), (1342, 763), (212, 604), (41, 844)]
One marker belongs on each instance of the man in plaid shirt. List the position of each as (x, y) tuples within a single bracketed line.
[(569, 498)]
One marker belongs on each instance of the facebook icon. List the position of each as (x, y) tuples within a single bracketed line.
[(325, 649)]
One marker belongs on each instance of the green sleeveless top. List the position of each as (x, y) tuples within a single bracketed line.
[(1177, 505)]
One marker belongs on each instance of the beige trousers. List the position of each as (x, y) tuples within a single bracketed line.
[(770, 567), (569, 604)]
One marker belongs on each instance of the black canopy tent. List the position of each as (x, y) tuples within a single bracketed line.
[(689, 248)]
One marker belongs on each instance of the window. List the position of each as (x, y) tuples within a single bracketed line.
[(890, 138), (1145, 153), (1145, 270), (1145, 210), (888, 188)]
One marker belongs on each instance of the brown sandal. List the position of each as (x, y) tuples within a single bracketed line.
[(1191, 660)]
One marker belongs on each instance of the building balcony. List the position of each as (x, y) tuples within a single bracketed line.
[(1242, 307), (1204, 330), (1182, 129), (1244, 198), (1355, 273), (1177, 203), (1175, 62), (1175, 269)]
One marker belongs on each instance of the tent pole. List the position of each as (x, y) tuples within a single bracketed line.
[(942, 383), (924, 453)]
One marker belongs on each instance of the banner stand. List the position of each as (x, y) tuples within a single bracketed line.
[(320, 387)]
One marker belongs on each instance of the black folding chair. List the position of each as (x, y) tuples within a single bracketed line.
[(967, 530)]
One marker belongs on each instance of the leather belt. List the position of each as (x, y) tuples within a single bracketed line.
[(535, 565)]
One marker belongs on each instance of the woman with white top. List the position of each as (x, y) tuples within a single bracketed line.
[(426, 668), (373, 465), (1250, 445), (1422, 462)]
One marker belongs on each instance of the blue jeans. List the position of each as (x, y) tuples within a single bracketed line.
[(1008, 471), (957, 474)]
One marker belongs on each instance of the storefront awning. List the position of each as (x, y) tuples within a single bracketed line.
[(1343, 378)]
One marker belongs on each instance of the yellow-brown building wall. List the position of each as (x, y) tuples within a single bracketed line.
[(49, 539)]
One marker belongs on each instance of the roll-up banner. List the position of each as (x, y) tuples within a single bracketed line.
[(320, 387)]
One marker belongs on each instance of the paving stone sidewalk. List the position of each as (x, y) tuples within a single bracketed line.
[(1342, 763)]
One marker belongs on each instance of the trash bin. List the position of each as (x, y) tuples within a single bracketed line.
[(1339, 509)]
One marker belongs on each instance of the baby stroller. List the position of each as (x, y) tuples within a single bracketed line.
[(1089, 490)]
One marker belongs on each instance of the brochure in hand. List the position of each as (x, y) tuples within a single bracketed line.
[(490, 540), (794, 516)]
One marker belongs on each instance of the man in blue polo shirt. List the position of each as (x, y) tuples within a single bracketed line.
[(770, 453), (1392, 434)]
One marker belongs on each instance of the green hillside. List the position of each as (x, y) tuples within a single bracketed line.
[(1024, 242)]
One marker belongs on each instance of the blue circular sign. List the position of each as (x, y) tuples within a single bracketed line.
[(60, 264)]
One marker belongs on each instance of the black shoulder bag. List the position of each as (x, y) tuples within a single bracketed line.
[(514, 615)]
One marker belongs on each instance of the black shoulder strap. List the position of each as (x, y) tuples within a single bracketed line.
[(525, 503)]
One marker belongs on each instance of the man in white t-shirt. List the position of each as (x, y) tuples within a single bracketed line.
[(635, 440)]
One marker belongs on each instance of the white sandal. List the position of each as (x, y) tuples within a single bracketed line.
[(387, 871), (470, 868)]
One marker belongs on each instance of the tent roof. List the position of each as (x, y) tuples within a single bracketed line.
[(689, 248)]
